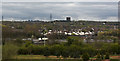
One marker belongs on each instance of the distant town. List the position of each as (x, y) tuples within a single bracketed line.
[(83, 32)]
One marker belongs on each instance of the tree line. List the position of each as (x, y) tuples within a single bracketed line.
[(72, 49)]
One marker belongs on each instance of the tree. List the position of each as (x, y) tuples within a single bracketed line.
[(71, 40), (107, 56), (98, 58), (85, 57), (27, 43), (9, 51), (30, 48), (18, 42), (46, 51), (74, 51), (23, 51), (56, 50), (102, 56), (38, 50), (65, 52), (90, 50)]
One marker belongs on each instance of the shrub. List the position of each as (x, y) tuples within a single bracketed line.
[(65, 52), (9, 50), (85, 57), (23, 51), (98, 57), (74, 51), (56, 50), (46, 51), (107, 56)]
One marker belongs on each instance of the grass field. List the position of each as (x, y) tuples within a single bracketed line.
[(51, 60), (115, 59), (34, 57), (52, 57), (43, 60)]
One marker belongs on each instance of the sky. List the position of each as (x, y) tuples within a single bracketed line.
[(95, 11), (60, 0)]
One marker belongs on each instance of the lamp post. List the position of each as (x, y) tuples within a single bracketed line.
[(44, 31), (32, 38), (44, 40)]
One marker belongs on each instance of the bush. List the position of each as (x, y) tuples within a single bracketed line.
[(38, 50), (74, 51), (9, 51), (23, 51), (102, 56), (56, 50), (26, 49), (46, 51), (85, 57), (65, 52), (107, 56), (90, 50), (99, 58)]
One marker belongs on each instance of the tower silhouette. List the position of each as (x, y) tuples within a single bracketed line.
[(50, 16), (2, 18)]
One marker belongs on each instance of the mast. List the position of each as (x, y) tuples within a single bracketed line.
[(50, 16), (2, 18)]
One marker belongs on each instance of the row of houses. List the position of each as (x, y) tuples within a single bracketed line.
[(70, 33), (79, 33), (92, 40), (37, 41)]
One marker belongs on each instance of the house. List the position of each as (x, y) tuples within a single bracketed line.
[(39, 40)]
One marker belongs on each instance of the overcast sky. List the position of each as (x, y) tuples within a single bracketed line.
[(59, 10), (60, 0)]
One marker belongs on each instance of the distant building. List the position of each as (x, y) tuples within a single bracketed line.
[(68, 19), (39, 40)]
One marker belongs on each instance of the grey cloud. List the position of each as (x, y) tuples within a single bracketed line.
[(42, 10), (60, 0)]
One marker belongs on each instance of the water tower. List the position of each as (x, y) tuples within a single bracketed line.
[(68, 19)]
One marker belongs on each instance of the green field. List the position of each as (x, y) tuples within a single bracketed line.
[(44, 60), (115, 59), (51, 60)]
